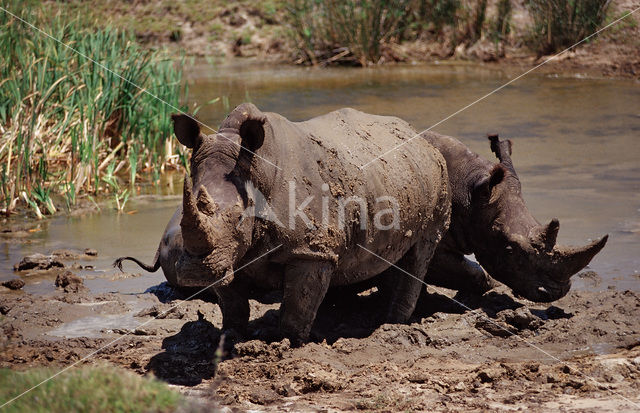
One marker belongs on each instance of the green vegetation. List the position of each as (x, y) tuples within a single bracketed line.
[(86, 389), (501, 26), (326, 29), (562, 23), (358, 31), (434, 15), (67, 125)]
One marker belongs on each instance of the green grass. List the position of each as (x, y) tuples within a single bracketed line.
[(65, 119), (356, 28), (86, 389), (561, 23), (357, 31)]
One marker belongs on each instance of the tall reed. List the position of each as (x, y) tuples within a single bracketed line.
[(64, 118), (562, 23), (349, 30)]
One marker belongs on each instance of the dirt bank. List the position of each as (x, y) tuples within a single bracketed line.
[(580, 353)]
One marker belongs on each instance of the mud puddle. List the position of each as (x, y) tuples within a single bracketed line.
[(504, 354)]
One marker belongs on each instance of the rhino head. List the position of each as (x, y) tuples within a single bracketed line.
[(216, 232), (511, 245)]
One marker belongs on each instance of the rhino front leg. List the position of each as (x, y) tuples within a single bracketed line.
[(235, 308), (450, 269), (305, 285), (405, 286)]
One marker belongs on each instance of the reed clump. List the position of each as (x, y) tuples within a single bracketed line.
[(68, 127), (562, 23), (351, 31), (358, 31)]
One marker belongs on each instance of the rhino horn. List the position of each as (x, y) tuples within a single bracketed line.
[(502, 150), (567, 261), (195, 224), (205, 203), (545, 236)]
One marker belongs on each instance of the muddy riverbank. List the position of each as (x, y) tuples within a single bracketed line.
[(262, 31), (580, 353)]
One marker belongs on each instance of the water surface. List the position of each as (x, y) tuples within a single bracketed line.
[(576, 149)]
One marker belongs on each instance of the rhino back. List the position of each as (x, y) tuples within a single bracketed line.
[(330, 150)]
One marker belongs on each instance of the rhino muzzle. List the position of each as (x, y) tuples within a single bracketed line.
[(537, 269), (202, 272)]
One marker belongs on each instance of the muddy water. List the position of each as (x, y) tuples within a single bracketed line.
[(576, 148)]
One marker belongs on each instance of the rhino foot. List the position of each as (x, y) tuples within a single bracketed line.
[(235, 309), (305, 285)]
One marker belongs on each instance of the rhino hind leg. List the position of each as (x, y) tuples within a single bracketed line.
[(450, 269), (234, 307), (404, 286), (305, 285)]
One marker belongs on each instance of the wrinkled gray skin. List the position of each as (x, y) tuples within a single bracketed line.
[(489, 218), (207, 238)]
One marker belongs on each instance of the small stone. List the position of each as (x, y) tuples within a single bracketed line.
[(419, 377), (143, 331), (14, 284), (70, 282), (495, 328), (91, 252), (38, 262)]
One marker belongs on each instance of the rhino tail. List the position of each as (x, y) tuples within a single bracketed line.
[(150, 268)]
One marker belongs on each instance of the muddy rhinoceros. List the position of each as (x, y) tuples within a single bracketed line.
[(293, 195), (489, 218)]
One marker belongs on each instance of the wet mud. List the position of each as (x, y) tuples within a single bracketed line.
[(459, 352)]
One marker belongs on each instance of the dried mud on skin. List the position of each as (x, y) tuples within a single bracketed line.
[(446, 358)]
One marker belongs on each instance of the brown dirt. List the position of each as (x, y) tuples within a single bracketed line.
[(582, 353)]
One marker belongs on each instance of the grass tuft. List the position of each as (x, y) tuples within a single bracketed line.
[(64, 119), (86, 389), (562, 23)]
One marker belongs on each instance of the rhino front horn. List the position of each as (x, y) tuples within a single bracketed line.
[(571, 260), (196, 226)]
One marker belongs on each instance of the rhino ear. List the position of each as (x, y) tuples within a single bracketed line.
[(252, 133), (486, 185), (186, 129)]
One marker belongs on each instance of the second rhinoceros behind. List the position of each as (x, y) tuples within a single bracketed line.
[(292, 197), (490, 219)]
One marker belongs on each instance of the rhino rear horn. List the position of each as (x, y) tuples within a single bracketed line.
[(568, 261), (545, 236), (195, 225)]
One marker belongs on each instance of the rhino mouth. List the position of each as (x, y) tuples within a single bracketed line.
[(544, 293), (538, 273), (202, 271)]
